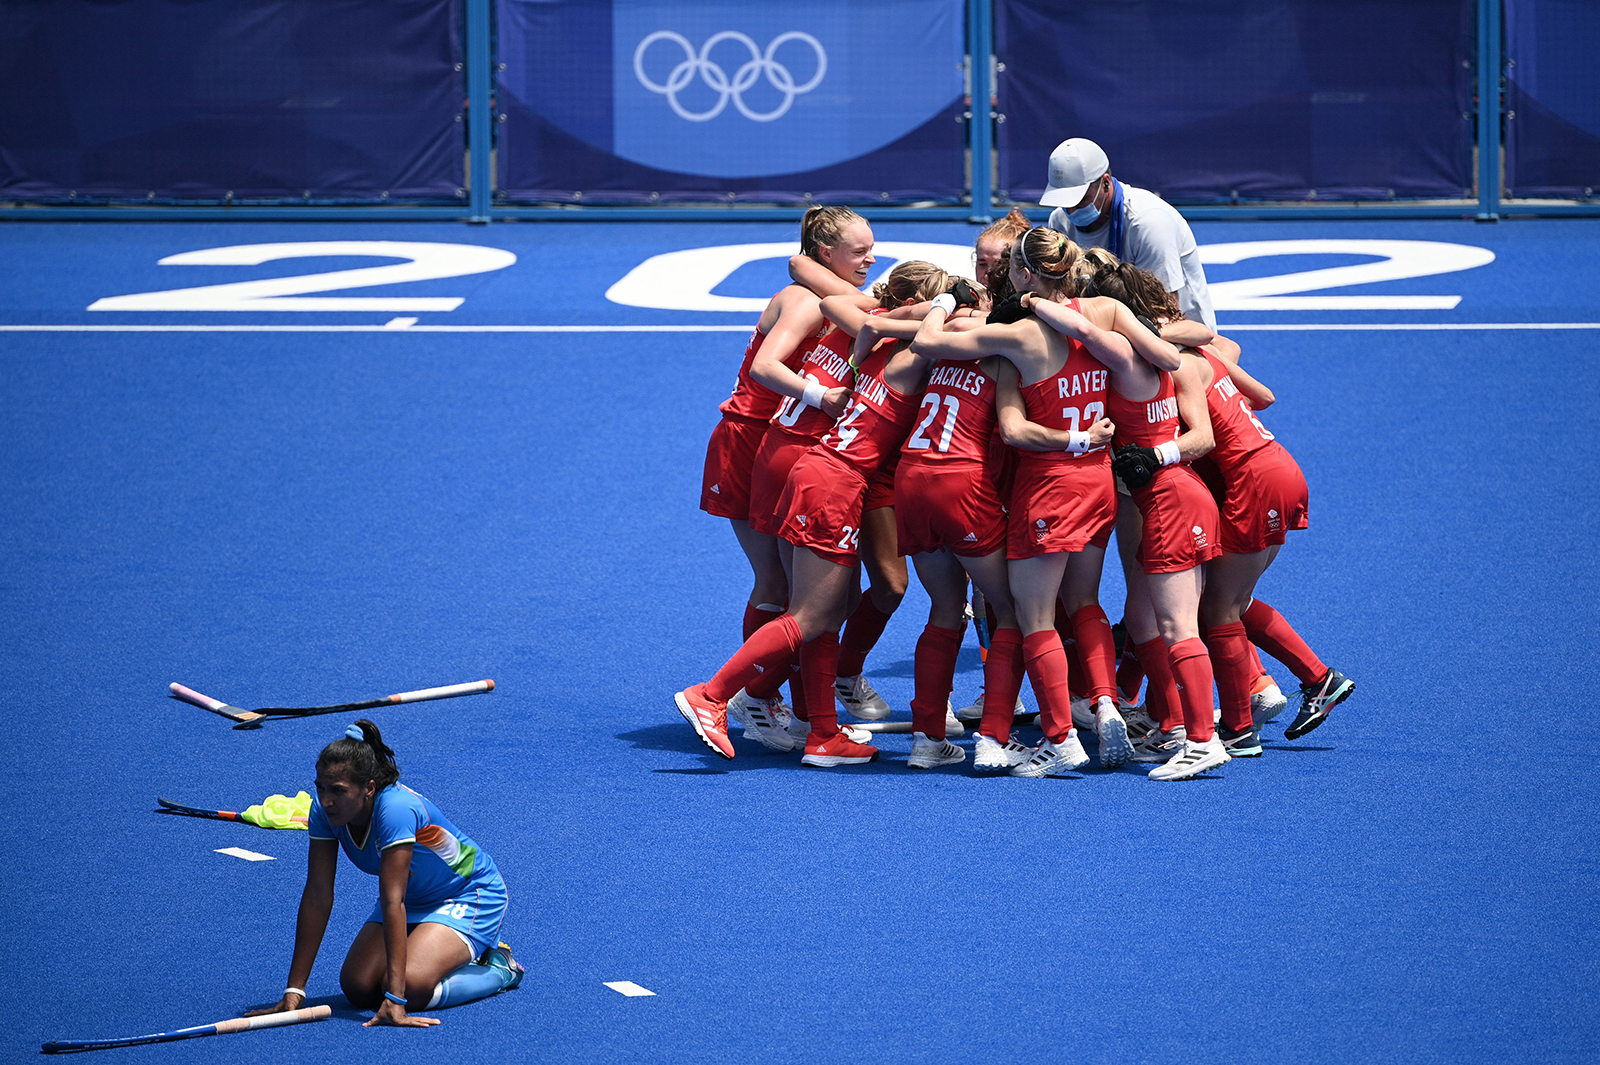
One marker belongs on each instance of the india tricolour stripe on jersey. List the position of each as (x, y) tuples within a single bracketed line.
[(448, 848)]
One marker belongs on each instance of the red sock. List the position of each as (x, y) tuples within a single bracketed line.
[(1278, 638), (1047, 670), (1230, 660), (819, 663), (1191, 668), (797, 692), (861, 634), (1002, 680), (1257, 670), (1161, 698), (1130, 674), (768, 649), (1096, 650), (757, 616), (1077, 679), (935, 670), (767, 684)]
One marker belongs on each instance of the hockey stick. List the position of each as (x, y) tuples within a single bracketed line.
[(236, 1024), (170, 807), (249, 719)]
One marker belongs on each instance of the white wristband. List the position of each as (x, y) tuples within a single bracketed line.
[(1078, 441), (1168, 450), (945, 302), (812, 396), (295, 991)]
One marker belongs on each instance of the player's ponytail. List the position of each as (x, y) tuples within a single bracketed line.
[(1139, 290), (362, 750), (1053, 259), (912, 280), (824, 227)]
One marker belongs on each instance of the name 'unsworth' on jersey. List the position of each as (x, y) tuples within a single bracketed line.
[(1160, 410)]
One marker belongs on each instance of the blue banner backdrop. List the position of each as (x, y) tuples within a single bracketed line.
[(163, 100), (629, 101), (1552, 98), (1297, 99)]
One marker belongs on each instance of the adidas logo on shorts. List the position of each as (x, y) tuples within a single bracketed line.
[(970, 538), (801, 518), (716, 489)]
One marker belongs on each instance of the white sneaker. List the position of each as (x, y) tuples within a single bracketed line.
[(760, 718), (1194, 759), (990, 753), (1140, 723), (858, 698), (800, 731), (973, 711), (1083, 713), (1115, 749), (952, 724), (1267, 703), (928, 753), (1049, 759), (1158, 746)]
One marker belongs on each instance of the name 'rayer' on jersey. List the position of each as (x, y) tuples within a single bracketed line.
[(876, 421), (955, 419), (1071, 399)]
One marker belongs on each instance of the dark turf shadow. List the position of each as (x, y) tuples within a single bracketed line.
[(680, 738)]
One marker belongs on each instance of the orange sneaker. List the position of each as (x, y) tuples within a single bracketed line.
[(709, 718), (837, 749)]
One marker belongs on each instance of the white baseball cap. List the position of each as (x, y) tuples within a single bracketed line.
[(1074, 166)]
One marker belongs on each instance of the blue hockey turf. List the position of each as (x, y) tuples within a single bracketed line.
[(284, 517)]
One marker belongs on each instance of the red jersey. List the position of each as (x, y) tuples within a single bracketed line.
[(1146, 422), (750, 398), (828, 364), (1072, 398), (1239, 433), (875, 423), (956, 419)]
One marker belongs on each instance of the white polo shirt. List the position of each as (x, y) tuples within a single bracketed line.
[(1157, 239)]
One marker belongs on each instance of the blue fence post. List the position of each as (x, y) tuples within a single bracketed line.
[(480, 119), (980, 128), (1491, 64)]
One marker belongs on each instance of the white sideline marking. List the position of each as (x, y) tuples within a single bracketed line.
[(629, 988), (1226, 327), (249, 856), (400, 323)]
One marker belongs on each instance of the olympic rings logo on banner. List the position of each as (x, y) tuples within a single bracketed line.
[(759, 64)]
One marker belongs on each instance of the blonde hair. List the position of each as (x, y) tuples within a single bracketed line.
[(824, 226), (912, 280), (1057, 262)]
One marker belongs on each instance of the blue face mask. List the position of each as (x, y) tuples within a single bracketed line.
[(1085, 216)]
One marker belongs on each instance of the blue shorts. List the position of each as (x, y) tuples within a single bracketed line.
[(475, 916)]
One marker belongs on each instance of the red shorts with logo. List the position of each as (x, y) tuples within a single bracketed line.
[(1267, 496), (725, 487), (947, 505), (1060, 506), (821, 507), (770, 473), (1180, 522)]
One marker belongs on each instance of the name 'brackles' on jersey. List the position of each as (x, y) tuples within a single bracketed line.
[(875, 423), (955, 419), (828, 364), (445, 863)]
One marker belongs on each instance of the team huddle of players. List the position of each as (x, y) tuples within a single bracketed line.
[(997, 434)]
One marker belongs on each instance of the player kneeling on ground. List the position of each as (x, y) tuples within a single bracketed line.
[(440, 897)]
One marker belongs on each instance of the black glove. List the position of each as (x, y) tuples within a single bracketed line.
[(1009, 310), (1137, 466), (965, 294)]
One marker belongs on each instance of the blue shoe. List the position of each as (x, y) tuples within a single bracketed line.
[(499, 957), (1245, 743), (1316, 700)]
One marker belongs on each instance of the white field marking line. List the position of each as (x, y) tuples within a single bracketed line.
[(629, 988), (249, 856), (1226, 326), (400, 323)]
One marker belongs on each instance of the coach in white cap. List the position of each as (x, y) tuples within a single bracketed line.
[(1095, 210)]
